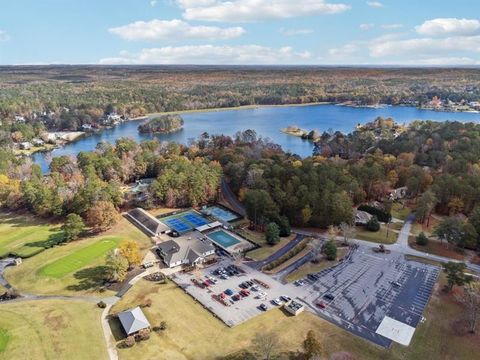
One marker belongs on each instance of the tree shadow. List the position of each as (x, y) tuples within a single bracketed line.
[(52, 240), (90, 278)]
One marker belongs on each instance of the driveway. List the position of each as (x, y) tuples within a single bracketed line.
[(3, 264), (258, 265), (232, 199)]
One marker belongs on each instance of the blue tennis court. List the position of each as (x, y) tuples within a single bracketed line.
[(184, 221)]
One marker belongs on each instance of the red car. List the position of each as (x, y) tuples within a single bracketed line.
[(321, 305)]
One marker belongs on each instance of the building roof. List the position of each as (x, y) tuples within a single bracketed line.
[(184, 248), (147, 222), (133, 320)]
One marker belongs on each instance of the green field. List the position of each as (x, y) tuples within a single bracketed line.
[(379, 237), (25, 236), (51, 329), (4, 339), (73, 268), (80, 258)]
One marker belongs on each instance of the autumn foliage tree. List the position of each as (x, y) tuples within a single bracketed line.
[(102, 215), (130, 250)]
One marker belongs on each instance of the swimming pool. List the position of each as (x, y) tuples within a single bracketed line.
[(220, 213), (223, 238), (184, 221)]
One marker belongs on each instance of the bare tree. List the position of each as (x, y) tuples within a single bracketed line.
[(348, 232), (471, 302), (317, 246), (265, 344)]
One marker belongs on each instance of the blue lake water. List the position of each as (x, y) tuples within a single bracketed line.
[(266, 121)]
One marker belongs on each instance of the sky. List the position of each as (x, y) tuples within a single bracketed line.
[(252, 32)]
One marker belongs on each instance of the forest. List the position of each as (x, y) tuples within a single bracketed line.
[(437, 162), (75, 95)]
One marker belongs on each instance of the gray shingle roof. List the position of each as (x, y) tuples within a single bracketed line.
[(184, 248), (147, 221), (133, 320)]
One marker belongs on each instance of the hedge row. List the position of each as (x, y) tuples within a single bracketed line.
[(380, 214)]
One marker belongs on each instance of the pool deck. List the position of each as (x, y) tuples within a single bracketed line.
[(239, 247)]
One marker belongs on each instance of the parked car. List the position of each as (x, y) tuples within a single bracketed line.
[(299, 283), (229, 292), (236, 297), (321, 304), (277, 301), (263, 307), (329, 297), (313, 277), (396, 284), (285, 298)]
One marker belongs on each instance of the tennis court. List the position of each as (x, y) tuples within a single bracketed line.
[(184, 221)]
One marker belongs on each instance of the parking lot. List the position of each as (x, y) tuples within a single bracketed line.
[(368, 288), (232, 312)]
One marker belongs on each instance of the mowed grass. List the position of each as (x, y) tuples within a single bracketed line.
[(4, 339), (193, 333), (379, 237), (24, 235), (80, 258), (75, 268), (51, 329)]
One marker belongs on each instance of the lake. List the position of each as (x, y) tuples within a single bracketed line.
[(266, 121)]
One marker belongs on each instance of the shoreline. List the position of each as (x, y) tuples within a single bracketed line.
[(233, 108)]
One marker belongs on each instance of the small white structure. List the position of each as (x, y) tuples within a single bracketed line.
[(19, 118), (25, 145), (396, 330), (87, 127), (294, 307), (133, 321)]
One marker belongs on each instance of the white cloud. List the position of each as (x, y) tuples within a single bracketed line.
[(295, 32), (375, 4), (153, 2), (449, 26), (365, 27), (255, 10), (173, 30), (4, 36), (425, 46), (210, 54), (391, 26)]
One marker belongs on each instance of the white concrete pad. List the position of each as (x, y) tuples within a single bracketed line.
[(395, 330)]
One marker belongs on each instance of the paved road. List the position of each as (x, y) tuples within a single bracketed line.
[(258, 265), (280, 276), (3, 264), (230, 197), (402, 245)]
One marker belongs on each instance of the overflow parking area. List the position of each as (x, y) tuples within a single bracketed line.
[(380, 297)]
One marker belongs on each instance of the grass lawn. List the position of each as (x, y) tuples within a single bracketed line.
[(73, 268), (311, 267), (399, 211), (80, 258), (436, 248), (24, 235), (265, 250), (51, 329), (379, 237)]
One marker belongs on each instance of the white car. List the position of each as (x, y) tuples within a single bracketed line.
[(277, 301), (262, 295)]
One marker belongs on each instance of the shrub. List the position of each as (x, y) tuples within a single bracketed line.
[(284, 226), (421, 239), (381, 215), (129, 341), (163, 325), (373, 224), (330, 250), (101, 305), (142, 335)]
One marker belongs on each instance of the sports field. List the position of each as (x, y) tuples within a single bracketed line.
[(80, 258), (25, 236), (51, 329), (184, 221)]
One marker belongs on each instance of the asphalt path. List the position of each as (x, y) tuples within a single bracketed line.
[(258, 265), (232, 199)]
